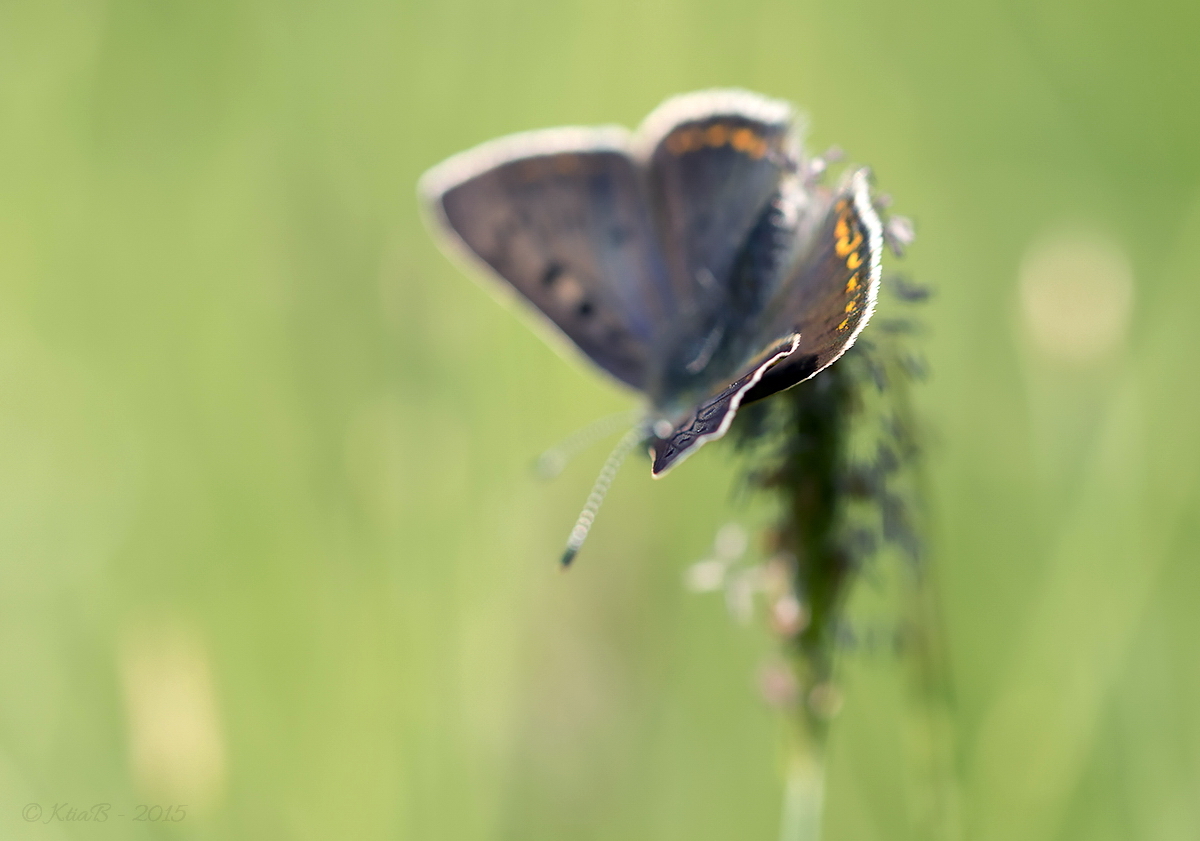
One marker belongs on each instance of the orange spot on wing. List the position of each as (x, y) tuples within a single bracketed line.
[(685, 140), (744, 140), (841, 229), (852, 283), (850, 306), (717, 135), (844, 246), (854, 260), (842, 326)]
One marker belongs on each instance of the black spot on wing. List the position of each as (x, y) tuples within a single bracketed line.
[(553, 272)]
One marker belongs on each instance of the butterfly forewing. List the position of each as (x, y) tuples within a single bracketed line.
[(712, 418), (561, 217)]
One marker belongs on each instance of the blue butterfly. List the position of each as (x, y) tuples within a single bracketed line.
[(699, 260)]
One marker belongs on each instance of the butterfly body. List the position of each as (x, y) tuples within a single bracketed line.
[(691, 260)]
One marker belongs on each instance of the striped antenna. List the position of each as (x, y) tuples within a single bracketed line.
[(608, 472), (552, 462)]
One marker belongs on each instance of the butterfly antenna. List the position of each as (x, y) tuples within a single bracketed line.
[(608, 472), (552, 462)]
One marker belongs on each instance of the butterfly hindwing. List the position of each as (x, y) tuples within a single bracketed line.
[(561, 217), (829, 296), (714, 160)]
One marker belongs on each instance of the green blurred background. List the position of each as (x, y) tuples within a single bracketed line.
[(269, 542)]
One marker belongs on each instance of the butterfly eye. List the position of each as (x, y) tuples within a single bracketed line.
[(585, 309)]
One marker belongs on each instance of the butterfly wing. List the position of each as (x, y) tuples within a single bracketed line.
[(640, 258), (821, 306), (713, 416), (830, 294), (714, 159), (561, 217)]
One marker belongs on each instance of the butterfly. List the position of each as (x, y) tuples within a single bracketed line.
[(699, 260)]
